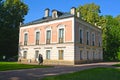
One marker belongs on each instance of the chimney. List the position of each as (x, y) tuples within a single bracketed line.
[(47, 12), (78, 14), (54, 14), (73, 10)]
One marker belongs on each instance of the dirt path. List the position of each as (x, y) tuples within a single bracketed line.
[(35, 74)]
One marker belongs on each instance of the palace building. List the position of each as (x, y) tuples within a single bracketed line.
[(62, 39)]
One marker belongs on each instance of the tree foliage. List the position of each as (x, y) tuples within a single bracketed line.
[(12, 12), (111, 38), (90, 12)]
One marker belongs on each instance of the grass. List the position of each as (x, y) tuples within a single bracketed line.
[(4, 66), (117, 65), (90, 74)]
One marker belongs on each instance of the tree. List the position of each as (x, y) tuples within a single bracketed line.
[(12, 12), (90, 13), (111, 38)]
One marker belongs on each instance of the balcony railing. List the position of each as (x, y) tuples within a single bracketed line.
[(37, 42), (61, 40), (25, 43), (87, 42), (80, 40), (48, 41)]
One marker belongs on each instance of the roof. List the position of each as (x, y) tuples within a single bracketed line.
[(45, 19)]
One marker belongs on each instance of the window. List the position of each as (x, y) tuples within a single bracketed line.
[(93, 55), (81, 34), (47, 54), (36, 54), (61, 54), (25, 54), (81, 55), (99, 55), (25, 38), (54, 15), (37, 38), (48, 36), (93, 39), (87, 55), (61, 35), (99, 44), (87, 38)]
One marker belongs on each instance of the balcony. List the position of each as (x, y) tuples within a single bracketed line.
[(25, 43), (37, 42), (80, 40), (48, 41), (87, 42), (61, 40)]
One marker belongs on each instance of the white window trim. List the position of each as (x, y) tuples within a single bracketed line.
[(48, 28), (60, 27), (35, 36)]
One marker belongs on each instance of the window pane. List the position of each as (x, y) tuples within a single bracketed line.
[(61, 33), (80, 54), (87, 38), (87, 55), (60, 54), (81, 36), (36, 54), (48, 54), (37, 35), (26, 37), (93, 39), (48, 34), (25, 54)]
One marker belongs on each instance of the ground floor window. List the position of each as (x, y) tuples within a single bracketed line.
[(61, 54), (47, 54), (99, 55), (25, 54), (93, 55), (87, 55), (81, 55), (36, 54)]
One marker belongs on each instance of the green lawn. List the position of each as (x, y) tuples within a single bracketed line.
[(90, 74), (15, 66), (117, 65)]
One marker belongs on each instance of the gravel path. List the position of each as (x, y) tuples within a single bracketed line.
[(35, 74)]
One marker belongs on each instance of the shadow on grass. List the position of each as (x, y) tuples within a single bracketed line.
[(90, 74)]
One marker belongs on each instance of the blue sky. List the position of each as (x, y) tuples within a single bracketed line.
[(37, 7)]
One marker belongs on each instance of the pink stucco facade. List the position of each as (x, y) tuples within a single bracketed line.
[(73, 48)]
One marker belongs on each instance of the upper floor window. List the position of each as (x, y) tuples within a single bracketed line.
[(93, 39), (48, 36), (37, 38), (99, 41), (61, 35), (87, 40), (80, 36), (25, 39)]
